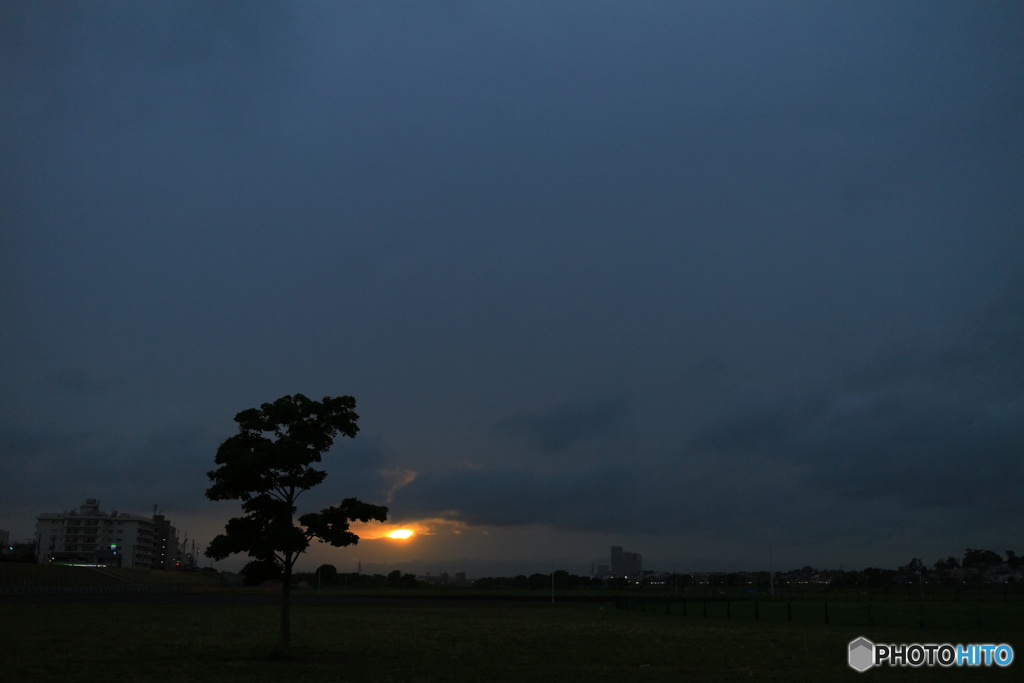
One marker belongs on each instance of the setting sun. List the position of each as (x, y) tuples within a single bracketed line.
[(405, 529)]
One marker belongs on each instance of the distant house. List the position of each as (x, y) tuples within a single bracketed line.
[(117, 539)]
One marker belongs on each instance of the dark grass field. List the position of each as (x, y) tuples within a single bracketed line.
[(233, 636), (14, 575), (995, 615)]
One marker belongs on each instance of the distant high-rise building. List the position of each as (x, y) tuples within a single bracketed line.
[(626, 563)]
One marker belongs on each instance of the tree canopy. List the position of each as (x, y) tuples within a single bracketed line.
[(267, 465)]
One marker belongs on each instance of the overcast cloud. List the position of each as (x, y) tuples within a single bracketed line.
[(690, 278)]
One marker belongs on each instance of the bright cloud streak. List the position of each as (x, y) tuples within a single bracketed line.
[(424, 527), (397, 478)]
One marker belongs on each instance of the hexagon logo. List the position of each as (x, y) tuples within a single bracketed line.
[(862, 654)]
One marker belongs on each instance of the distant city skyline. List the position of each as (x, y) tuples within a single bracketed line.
[(620, 562)]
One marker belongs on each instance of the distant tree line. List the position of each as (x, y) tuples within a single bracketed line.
[(563, 581), (976, 566), (327, 576)]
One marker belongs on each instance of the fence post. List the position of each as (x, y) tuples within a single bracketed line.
[(826, 613), (789, 610), (728, 609), (757, 612), (705, 607)]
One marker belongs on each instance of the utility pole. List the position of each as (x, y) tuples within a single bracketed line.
[(771, 574)]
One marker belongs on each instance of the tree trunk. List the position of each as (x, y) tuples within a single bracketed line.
[(286, 596)]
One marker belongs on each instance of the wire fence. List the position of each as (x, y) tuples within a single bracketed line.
[(933, 615), (78, 590)]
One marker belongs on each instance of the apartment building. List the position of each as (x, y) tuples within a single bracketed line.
[(89, 535)]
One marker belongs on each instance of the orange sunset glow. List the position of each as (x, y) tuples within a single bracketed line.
[(400, 533), (406, 530)]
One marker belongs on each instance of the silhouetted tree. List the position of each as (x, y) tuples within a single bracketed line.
[(267, 465), (327, 575), (490, 582), (540, 581), (396, 579), (981, 560), (915, 566), (257, 572), (847, 580), (1012, 559), (879, 578)]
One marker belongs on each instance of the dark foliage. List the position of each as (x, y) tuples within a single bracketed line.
[(327, 575), (397, 579), (267, 465)]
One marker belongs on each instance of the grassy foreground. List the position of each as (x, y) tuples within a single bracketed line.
[(26, 574), (192, 639)]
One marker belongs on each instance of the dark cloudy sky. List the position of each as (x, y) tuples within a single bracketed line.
[(698, 279)]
